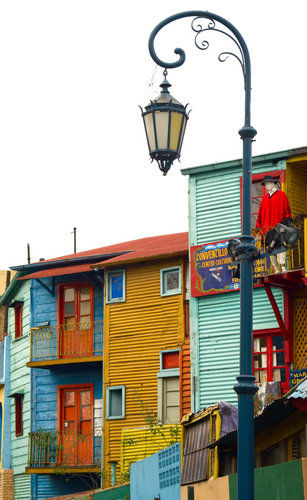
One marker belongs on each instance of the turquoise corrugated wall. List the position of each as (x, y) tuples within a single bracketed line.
[(22, 487), (219, 337), (214, 215), (20, 381), (217, 214)]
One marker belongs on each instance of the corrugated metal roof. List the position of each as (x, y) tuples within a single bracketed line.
[(129, 251), (153, 247), (126, 246), (58, 271), (272, 414)]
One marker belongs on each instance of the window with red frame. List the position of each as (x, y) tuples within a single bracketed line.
[(18, 415), (270, 359), (258, 191), (18, 319)]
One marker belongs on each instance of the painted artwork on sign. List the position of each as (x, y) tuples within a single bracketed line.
[(212, 268)]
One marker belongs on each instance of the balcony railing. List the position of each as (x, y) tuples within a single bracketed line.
[(295, 258), (60, 342), (60, 450)]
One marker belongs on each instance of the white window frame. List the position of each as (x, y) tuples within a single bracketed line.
[(162, 374), (115, 388), (168, 372), (109, 300), (176, 291)]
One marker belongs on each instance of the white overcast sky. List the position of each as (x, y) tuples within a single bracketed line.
[(72, 144)]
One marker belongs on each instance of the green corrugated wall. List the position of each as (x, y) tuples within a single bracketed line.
[(214, 215), (117, 493), (22, 487), (219, 336), (20, 381), (276, 482)]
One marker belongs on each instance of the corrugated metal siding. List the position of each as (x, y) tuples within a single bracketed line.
[(135, 333), (219, 337), (51, 485), (20, 378), (185, 399), (217, 212), (217, 207), (296, 184), (140, 443), (22, 487)]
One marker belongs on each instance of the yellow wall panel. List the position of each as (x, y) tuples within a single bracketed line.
[(296, 185), (135, 333), (140, 443)]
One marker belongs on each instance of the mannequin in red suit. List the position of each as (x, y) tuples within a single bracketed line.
[(274, 208)]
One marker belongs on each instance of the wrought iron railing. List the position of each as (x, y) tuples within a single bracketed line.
[(80, 340), (295, 258), (60, 449)]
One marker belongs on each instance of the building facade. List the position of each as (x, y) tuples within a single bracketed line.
[(17, 299), (62, 316), (279, 314), (146, 373)]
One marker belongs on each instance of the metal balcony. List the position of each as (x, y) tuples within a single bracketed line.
[(295, 258), (62, 344), (64, 451)]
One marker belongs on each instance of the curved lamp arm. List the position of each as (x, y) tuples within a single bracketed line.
[(212, 18)]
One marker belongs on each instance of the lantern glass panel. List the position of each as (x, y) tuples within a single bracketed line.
[(182, 132), (148, 119), (162, 118), (176, 120)]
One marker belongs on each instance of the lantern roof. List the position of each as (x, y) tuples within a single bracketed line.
[(165, 97)]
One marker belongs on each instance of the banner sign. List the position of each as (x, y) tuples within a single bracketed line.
[(296, 376), (211, 268)]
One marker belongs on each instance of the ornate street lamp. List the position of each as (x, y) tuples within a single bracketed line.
[(165, 120), (246, 387)]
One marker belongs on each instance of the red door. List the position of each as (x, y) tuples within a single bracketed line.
[(76, 329), (76, 425)]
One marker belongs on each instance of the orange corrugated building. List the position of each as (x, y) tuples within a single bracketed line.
[(146, 370)]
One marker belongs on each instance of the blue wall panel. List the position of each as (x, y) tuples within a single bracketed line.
[(44, 305), (46, 382), (51, 485), (157, 475)]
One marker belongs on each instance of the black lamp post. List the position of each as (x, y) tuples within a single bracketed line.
[(165, 156)]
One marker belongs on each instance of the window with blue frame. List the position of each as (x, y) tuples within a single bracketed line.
[(116, 286), (170, 281), (116, 402)]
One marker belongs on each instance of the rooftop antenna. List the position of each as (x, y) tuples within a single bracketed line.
[(75, 239), (28, 253)]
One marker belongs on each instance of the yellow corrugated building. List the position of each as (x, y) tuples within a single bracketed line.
[(143, 335)]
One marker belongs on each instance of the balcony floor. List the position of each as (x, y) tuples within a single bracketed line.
[(67, 470), (289, 279), (63, 361)]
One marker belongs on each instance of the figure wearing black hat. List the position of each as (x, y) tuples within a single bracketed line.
[(274, 208)]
